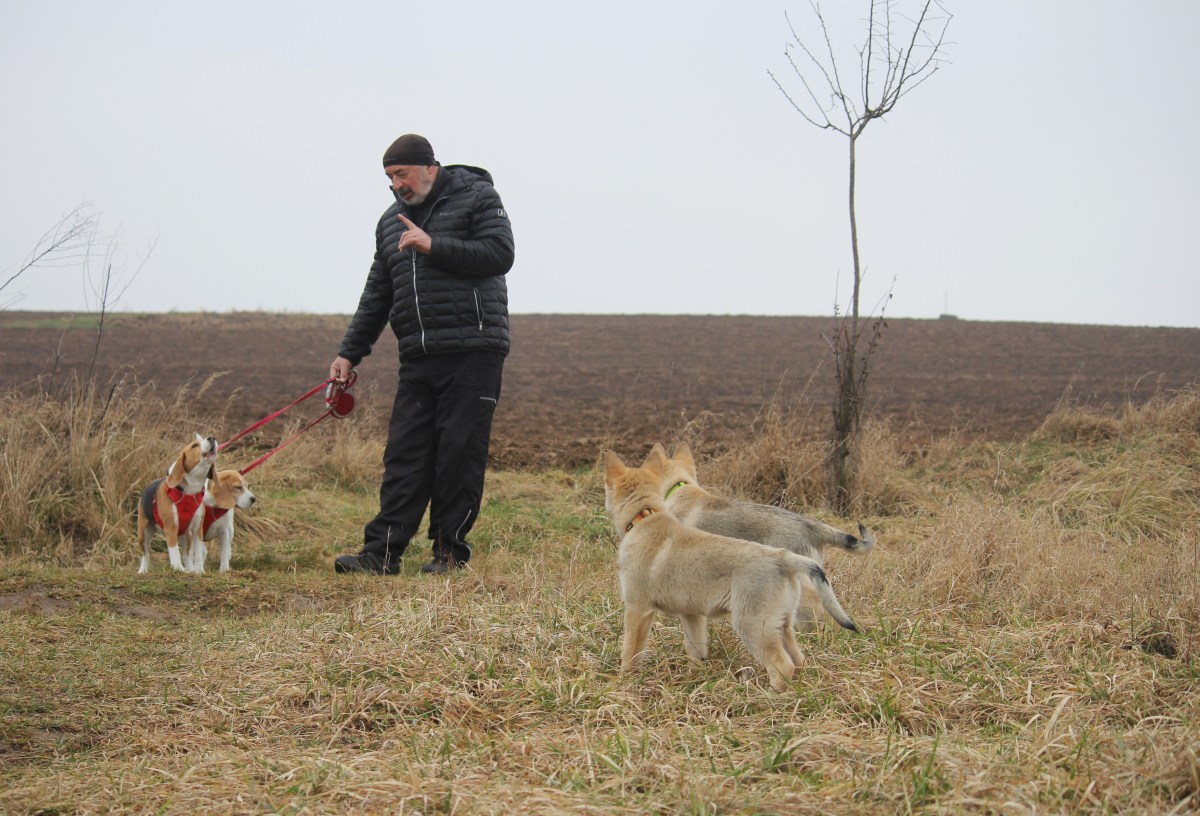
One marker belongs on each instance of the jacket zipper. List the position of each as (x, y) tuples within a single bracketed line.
[(478, 306), (416, 294), (417, 301)]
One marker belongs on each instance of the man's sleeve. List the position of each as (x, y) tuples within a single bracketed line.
[(374, 307), (489, 251)]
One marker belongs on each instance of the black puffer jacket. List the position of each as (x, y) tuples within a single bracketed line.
[(453, 299)]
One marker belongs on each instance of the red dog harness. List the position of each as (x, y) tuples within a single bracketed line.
[(186, 506), (211, 514)]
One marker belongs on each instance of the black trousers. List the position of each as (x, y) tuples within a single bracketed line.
[(436, 452)]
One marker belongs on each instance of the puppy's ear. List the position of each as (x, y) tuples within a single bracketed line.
[(212, 473), (656, 459), (613, 466), (683, 455)]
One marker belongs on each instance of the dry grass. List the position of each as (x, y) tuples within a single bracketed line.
[(1030, 612), (779, 463), (72, 465)]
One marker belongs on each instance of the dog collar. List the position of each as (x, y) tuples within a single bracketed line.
[(674, 487), (645, 511)]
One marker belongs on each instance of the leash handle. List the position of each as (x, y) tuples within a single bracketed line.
[(337, 397)]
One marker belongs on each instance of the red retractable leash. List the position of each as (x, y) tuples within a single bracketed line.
[(337, 397)]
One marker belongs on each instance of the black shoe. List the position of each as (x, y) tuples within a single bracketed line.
[(367, 562), (441, 564)]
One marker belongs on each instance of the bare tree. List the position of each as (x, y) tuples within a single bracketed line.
[(76, 239), (66, 243), (107, 287), (891, 64)]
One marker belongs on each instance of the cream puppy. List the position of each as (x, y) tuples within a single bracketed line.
[(666, 566), (774, 526)]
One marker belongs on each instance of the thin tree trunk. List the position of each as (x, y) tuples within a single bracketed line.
[(854, 237), (847, 412)]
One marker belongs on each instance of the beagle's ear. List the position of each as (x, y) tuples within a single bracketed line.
[(222, 495), (177, 471)]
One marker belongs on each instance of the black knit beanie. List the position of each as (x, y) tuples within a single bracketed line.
[(409, 149)]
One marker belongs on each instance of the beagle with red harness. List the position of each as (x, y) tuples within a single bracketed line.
[(169, 505), (226, 492)]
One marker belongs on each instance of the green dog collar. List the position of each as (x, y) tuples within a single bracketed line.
[(674, 487)]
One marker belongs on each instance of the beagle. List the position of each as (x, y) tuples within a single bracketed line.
[(169, 505), (227, 490)]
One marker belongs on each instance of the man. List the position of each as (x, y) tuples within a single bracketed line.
[(441, 254)]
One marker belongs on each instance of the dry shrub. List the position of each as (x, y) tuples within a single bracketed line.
[(1089, 518), (977, 555), (783, 463), (356, 458), (1073, 523), (984, 558), (1079, 427), (779, 463), (1127, 502), (1129, 477), (886, 483), (1177, 413)]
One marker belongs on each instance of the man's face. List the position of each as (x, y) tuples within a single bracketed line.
[(412, 182)]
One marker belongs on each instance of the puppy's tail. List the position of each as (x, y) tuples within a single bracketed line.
[(863, 544), (816, 579)]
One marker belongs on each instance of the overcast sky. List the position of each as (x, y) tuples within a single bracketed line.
[(1048, 172)]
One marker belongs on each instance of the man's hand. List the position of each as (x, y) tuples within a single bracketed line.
[(414, 236), (340, 369)]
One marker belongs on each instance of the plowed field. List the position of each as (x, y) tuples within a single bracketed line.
[(573, 383)]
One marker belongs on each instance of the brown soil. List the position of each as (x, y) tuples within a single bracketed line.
[(574, 384)]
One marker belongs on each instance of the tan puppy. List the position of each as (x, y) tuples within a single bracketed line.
[(169, 505), (226, 492), (773, 526), (666, 566)]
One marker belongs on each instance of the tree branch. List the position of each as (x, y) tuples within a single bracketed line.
[(65, 243)]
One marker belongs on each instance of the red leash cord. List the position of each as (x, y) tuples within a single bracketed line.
[(340, 403)]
